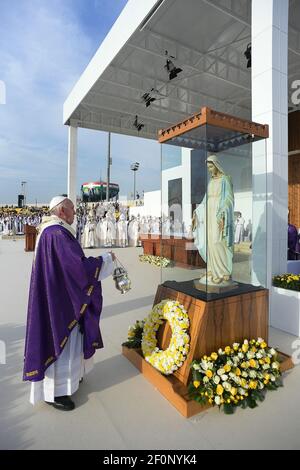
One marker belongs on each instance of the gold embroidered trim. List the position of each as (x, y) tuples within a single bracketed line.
[(30, 374), (63, 341), (72, 324), (90, 290), (95, 344), (97, 273), (49, 360), (83, 308)]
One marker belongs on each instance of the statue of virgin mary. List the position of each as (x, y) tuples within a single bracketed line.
[(213, 225)]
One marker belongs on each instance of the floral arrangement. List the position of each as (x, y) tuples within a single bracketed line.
[(155, 260), (174, 356), (135, 335), (287, 281), (239, 375)]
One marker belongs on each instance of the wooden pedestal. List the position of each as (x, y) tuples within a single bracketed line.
[(175, 249), (30, 237), (213, 325)]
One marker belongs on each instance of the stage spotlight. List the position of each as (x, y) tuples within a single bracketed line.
[(148, 99), (138, 125), (247, 54), (172, 70)]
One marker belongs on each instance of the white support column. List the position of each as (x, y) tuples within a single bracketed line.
[(72, 164), (270, 106)]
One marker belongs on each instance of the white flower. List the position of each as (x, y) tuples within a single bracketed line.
[(241, 391), (218, 400), (260, 340), (244, 374), (275, 365), (272, 351), (266, 367), (252, 374), (216, 379), (235, 345), (241, 355), (224, 377), (220, 352), (227, 386), (205, 379), (236, 379), (204, 365), (250, 355), (259, 355), (220, 371)]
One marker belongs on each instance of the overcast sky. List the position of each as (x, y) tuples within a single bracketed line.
[(44, 47)]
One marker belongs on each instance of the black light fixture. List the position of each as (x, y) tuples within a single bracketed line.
[(247, 54), (138, 125), (172, 70), (148, 99)]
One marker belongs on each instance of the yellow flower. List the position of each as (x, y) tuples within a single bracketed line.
[(243, 382), (233, 391), (209, 374), (214, 356), (267, 360), (252, 363), (219, 390), (196, 383), (244, 365), (227, 368), (227, 350), (252, 384), (245, 347), (263, 344), (237, 372)]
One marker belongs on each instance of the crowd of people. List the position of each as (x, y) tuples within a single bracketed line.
[(98, 225), (109, 224), (13, 220), (243, 232)]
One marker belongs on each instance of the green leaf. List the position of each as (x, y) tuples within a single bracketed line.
[(228, 408), (251, 403)]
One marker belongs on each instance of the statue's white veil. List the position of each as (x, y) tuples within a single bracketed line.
[(215, 160)]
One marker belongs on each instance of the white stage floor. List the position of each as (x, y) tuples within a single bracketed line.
[(116, 407)]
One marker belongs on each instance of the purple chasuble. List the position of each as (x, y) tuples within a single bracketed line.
[(64, 292)]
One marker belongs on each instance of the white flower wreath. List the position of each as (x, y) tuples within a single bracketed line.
[(174, 356)]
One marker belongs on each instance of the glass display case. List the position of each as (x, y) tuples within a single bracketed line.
[(213, 221)]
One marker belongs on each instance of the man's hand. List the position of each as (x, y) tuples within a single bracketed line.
[(113, 255)]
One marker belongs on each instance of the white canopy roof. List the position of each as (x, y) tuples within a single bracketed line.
[(207, 39)]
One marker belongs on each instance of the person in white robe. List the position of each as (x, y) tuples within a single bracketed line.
[(122, 231), (239, 229)]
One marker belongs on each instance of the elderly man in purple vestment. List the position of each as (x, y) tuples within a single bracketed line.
[(64, 308)]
